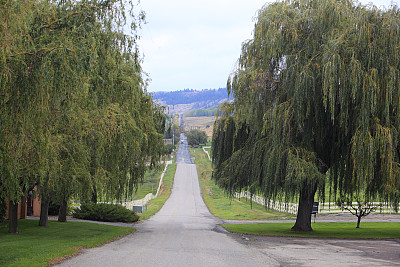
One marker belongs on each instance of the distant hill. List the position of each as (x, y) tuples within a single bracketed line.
[(201, 112), (189, 99)]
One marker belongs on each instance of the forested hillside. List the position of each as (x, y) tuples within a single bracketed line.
[(188, 96), (202, 112), (186, 100)]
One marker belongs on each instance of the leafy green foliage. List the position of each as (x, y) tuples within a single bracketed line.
[(3, 209), (196, 137), (202, 112), (169, 149), (54, 207), (75, 117), (105, 212), (316, 91)]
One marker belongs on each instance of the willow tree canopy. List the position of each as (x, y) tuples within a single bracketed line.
[(317, 91), (75, 117)]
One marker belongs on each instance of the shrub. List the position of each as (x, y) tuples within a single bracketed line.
[(105, 212)]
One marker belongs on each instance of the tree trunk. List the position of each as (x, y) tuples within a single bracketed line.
[(358, 221), (13, 217), (303, 220), (44, 213), (62, 213)]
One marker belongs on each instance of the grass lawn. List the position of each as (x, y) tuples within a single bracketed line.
[(156, 204), (219, 204), (331, 230), (40, 246)]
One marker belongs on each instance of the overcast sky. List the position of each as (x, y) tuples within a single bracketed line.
[(195, 44)]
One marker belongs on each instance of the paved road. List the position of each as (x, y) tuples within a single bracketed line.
[(183, 233), (183, 154)]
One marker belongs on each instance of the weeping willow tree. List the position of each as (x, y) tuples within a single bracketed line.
[(315, 93), (75, 117)]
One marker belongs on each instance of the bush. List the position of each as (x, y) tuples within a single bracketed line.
[(105, 212)]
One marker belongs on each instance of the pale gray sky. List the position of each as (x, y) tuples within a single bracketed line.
[(195, 44)]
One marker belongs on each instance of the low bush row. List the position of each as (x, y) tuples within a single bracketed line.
[(105, 212)]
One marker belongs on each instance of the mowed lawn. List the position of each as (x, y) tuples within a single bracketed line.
[(370, 230), (41, 246)]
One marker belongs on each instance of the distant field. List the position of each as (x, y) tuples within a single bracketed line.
[(204, 123)]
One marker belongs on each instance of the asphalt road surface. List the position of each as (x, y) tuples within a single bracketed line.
[(184, 233)]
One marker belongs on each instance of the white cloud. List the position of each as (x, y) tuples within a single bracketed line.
[(195, 44)]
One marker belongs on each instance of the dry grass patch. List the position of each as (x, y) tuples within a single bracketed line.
[(204, 123)]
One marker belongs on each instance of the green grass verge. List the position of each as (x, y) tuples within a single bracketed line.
[(347, 230), (150, 183), (220, 205), (156, 204), (41, 246)]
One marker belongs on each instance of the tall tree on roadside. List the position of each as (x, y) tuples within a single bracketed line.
[(19, 112), (315, 92), (68, 73)]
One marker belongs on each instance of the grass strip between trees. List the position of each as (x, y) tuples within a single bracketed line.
[(41, 246), (156, 204), (219, 204), (367, 230)]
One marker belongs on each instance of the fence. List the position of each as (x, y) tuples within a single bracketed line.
[(328, 207), (143, 202), (275, 205)]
